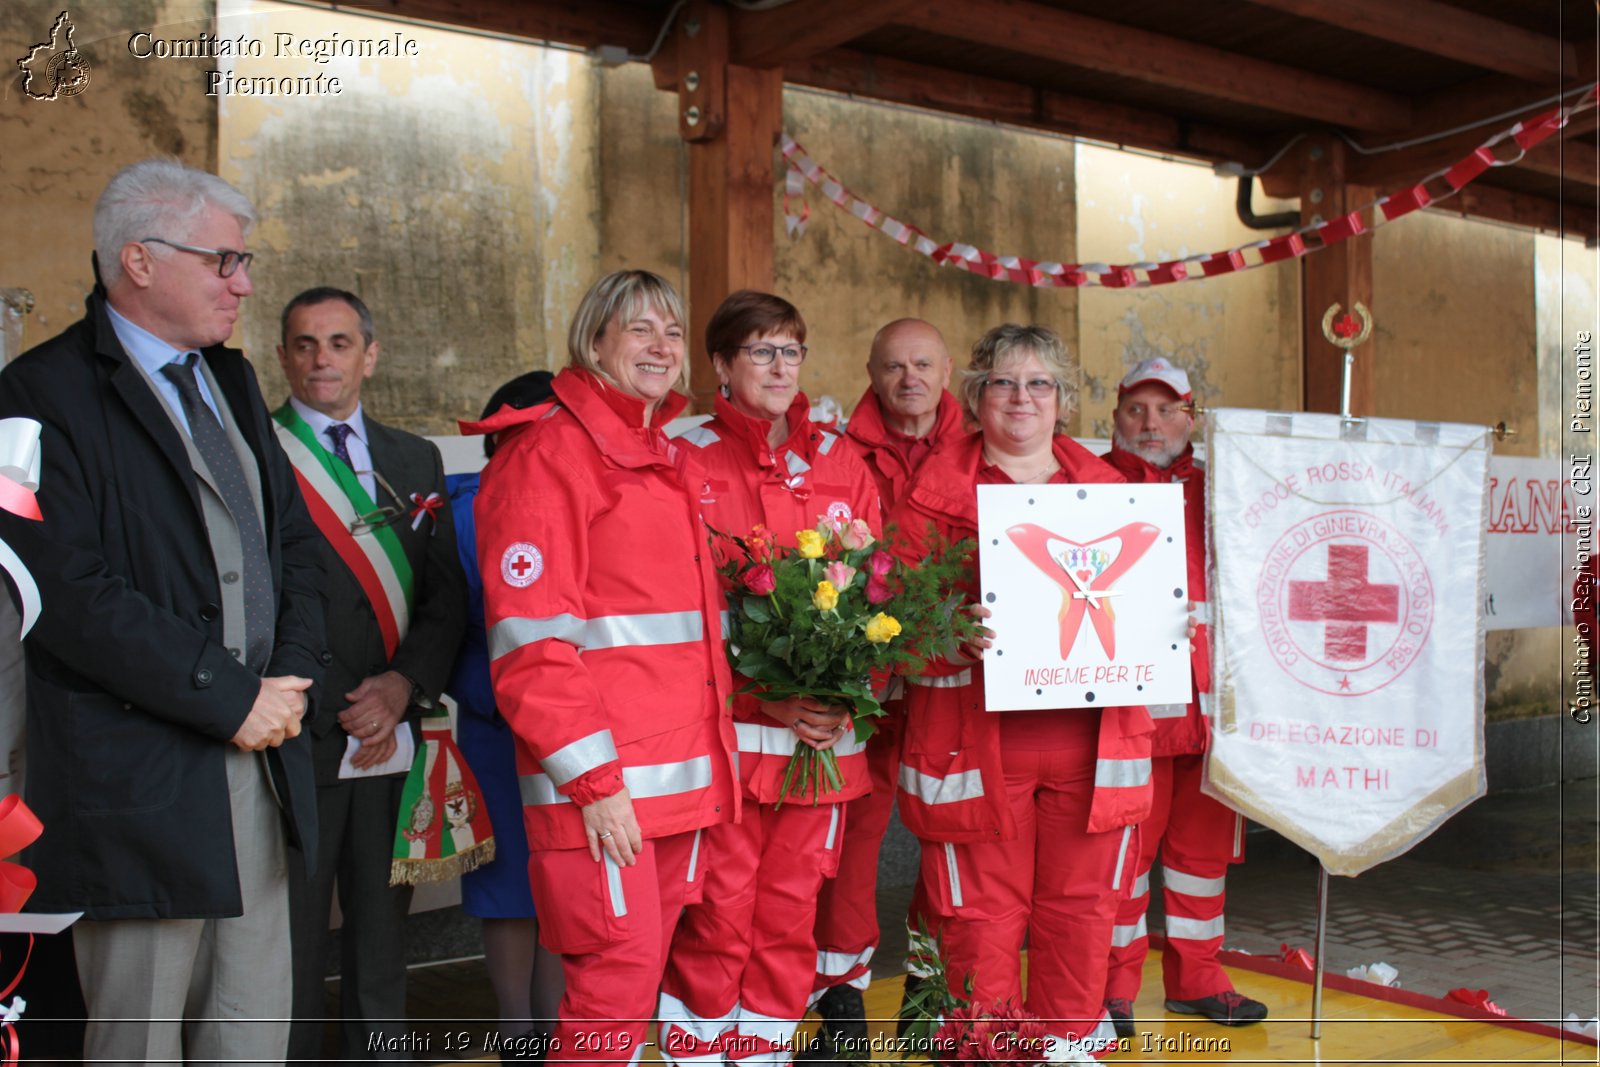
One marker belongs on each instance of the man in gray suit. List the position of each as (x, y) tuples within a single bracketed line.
[(396, 609), (180, 637)]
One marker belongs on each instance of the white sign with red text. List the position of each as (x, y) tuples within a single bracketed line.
[(1531, 511), (1347, 597), (1088, 593)]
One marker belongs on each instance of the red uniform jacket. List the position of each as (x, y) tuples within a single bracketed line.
[(952, 786), (812, 475), (1182, 730), (604, 615), (884, 455)]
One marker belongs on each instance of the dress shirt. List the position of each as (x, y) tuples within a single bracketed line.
[(356, 444), (152, 353)]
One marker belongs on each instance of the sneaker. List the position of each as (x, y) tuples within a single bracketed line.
[(1228, 1008), (843, 1033), (1121, 1012)]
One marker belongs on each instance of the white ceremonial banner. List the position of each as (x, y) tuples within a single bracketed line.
[(1089, 595), (1347, 626), (1530, 511)]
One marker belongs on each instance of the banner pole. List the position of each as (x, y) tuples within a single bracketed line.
[(1317, 960)]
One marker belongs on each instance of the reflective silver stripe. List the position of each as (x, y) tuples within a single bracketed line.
[(699, 436), (694, 856), (1121, 773), (754, 1024), (1141, 885), (781, 740), (726, 618), (608, 631), (1167, 711), (893, 688), (580, 757), (619, 905), (948, 681), (1238, 835), (955, 875), (967, 785), (1122, 856), (1194, 929), (796, 464), (649, 780), (835, 964), (1204, 700), (828, 440), (1189, 885), (1123, 936), (833, 828), (1202, 612)]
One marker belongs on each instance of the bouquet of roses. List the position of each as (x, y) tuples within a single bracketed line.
[(951, 1029), (821, 619)]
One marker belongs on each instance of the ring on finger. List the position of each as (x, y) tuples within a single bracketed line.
[(605, 835)]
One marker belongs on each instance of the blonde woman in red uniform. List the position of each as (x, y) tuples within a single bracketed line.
[(742, 963), (1026, 817)]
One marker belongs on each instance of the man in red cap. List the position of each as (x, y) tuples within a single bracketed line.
[(898, 422), (1195, 835)]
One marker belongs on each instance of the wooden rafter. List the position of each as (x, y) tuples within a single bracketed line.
[(1076, 40), (1444, 30), (1521, 209), (796, 31), (995, 99), (584, 23)]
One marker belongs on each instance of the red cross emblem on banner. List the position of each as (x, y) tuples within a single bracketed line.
[(1346, 602)]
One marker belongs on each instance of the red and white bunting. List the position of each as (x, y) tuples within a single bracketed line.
[(1504, 149)]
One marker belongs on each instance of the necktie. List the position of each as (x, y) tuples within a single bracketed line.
[(341, 434), (223, 462)]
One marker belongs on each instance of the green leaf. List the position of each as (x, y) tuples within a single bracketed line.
[(756, 609)]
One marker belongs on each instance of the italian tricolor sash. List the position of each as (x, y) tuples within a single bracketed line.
[(336, 499)]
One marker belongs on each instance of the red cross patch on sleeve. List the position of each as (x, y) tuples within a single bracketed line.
[(521, 564)]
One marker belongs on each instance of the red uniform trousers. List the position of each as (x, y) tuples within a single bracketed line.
[(847, 912), (612, 926), (1197, 838), (1055, 883), (742, 961)]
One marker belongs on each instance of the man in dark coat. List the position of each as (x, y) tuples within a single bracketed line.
[(180, 641), (397, 609)]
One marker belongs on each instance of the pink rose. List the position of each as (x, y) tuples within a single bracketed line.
[(857, 535), (760, 579), (877, 590), (840, 575), (880, 564)]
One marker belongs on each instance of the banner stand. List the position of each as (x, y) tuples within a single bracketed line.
[(1346, 335)]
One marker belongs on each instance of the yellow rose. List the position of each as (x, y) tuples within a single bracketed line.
[(811, 543), (826, 598), (881, 628)]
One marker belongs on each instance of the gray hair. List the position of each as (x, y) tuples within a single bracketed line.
[(158, 198), (621, 296), (1010, 343)]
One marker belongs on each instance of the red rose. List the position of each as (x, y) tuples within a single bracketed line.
[(877, 590), (880, 564), (760, 579)]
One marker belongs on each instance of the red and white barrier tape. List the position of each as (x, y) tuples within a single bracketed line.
[(1045, 274)]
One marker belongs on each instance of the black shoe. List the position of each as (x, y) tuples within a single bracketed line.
[(1121, 1012), (843, 1033), (1228, 1008), (912, 983)]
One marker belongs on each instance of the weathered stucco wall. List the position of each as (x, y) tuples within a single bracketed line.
[(56, 155), (453, 190)]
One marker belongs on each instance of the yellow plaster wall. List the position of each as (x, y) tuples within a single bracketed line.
[(56, 155), (453, 190), (1237, 335)]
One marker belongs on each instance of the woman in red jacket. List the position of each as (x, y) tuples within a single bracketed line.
[(604, 617), (1025, 817), (742, 963)]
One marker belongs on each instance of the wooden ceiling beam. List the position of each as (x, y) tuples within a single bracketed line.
[(1063, 37), (1523, 209), (583, 23), (997, 100), (1444, 30), (796, 31)]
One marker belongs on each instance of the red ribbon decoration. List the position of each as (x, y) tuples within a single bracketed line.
[(1297, 957), (1475, 998), (19, 828), (428, 506), (1522, 136)]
